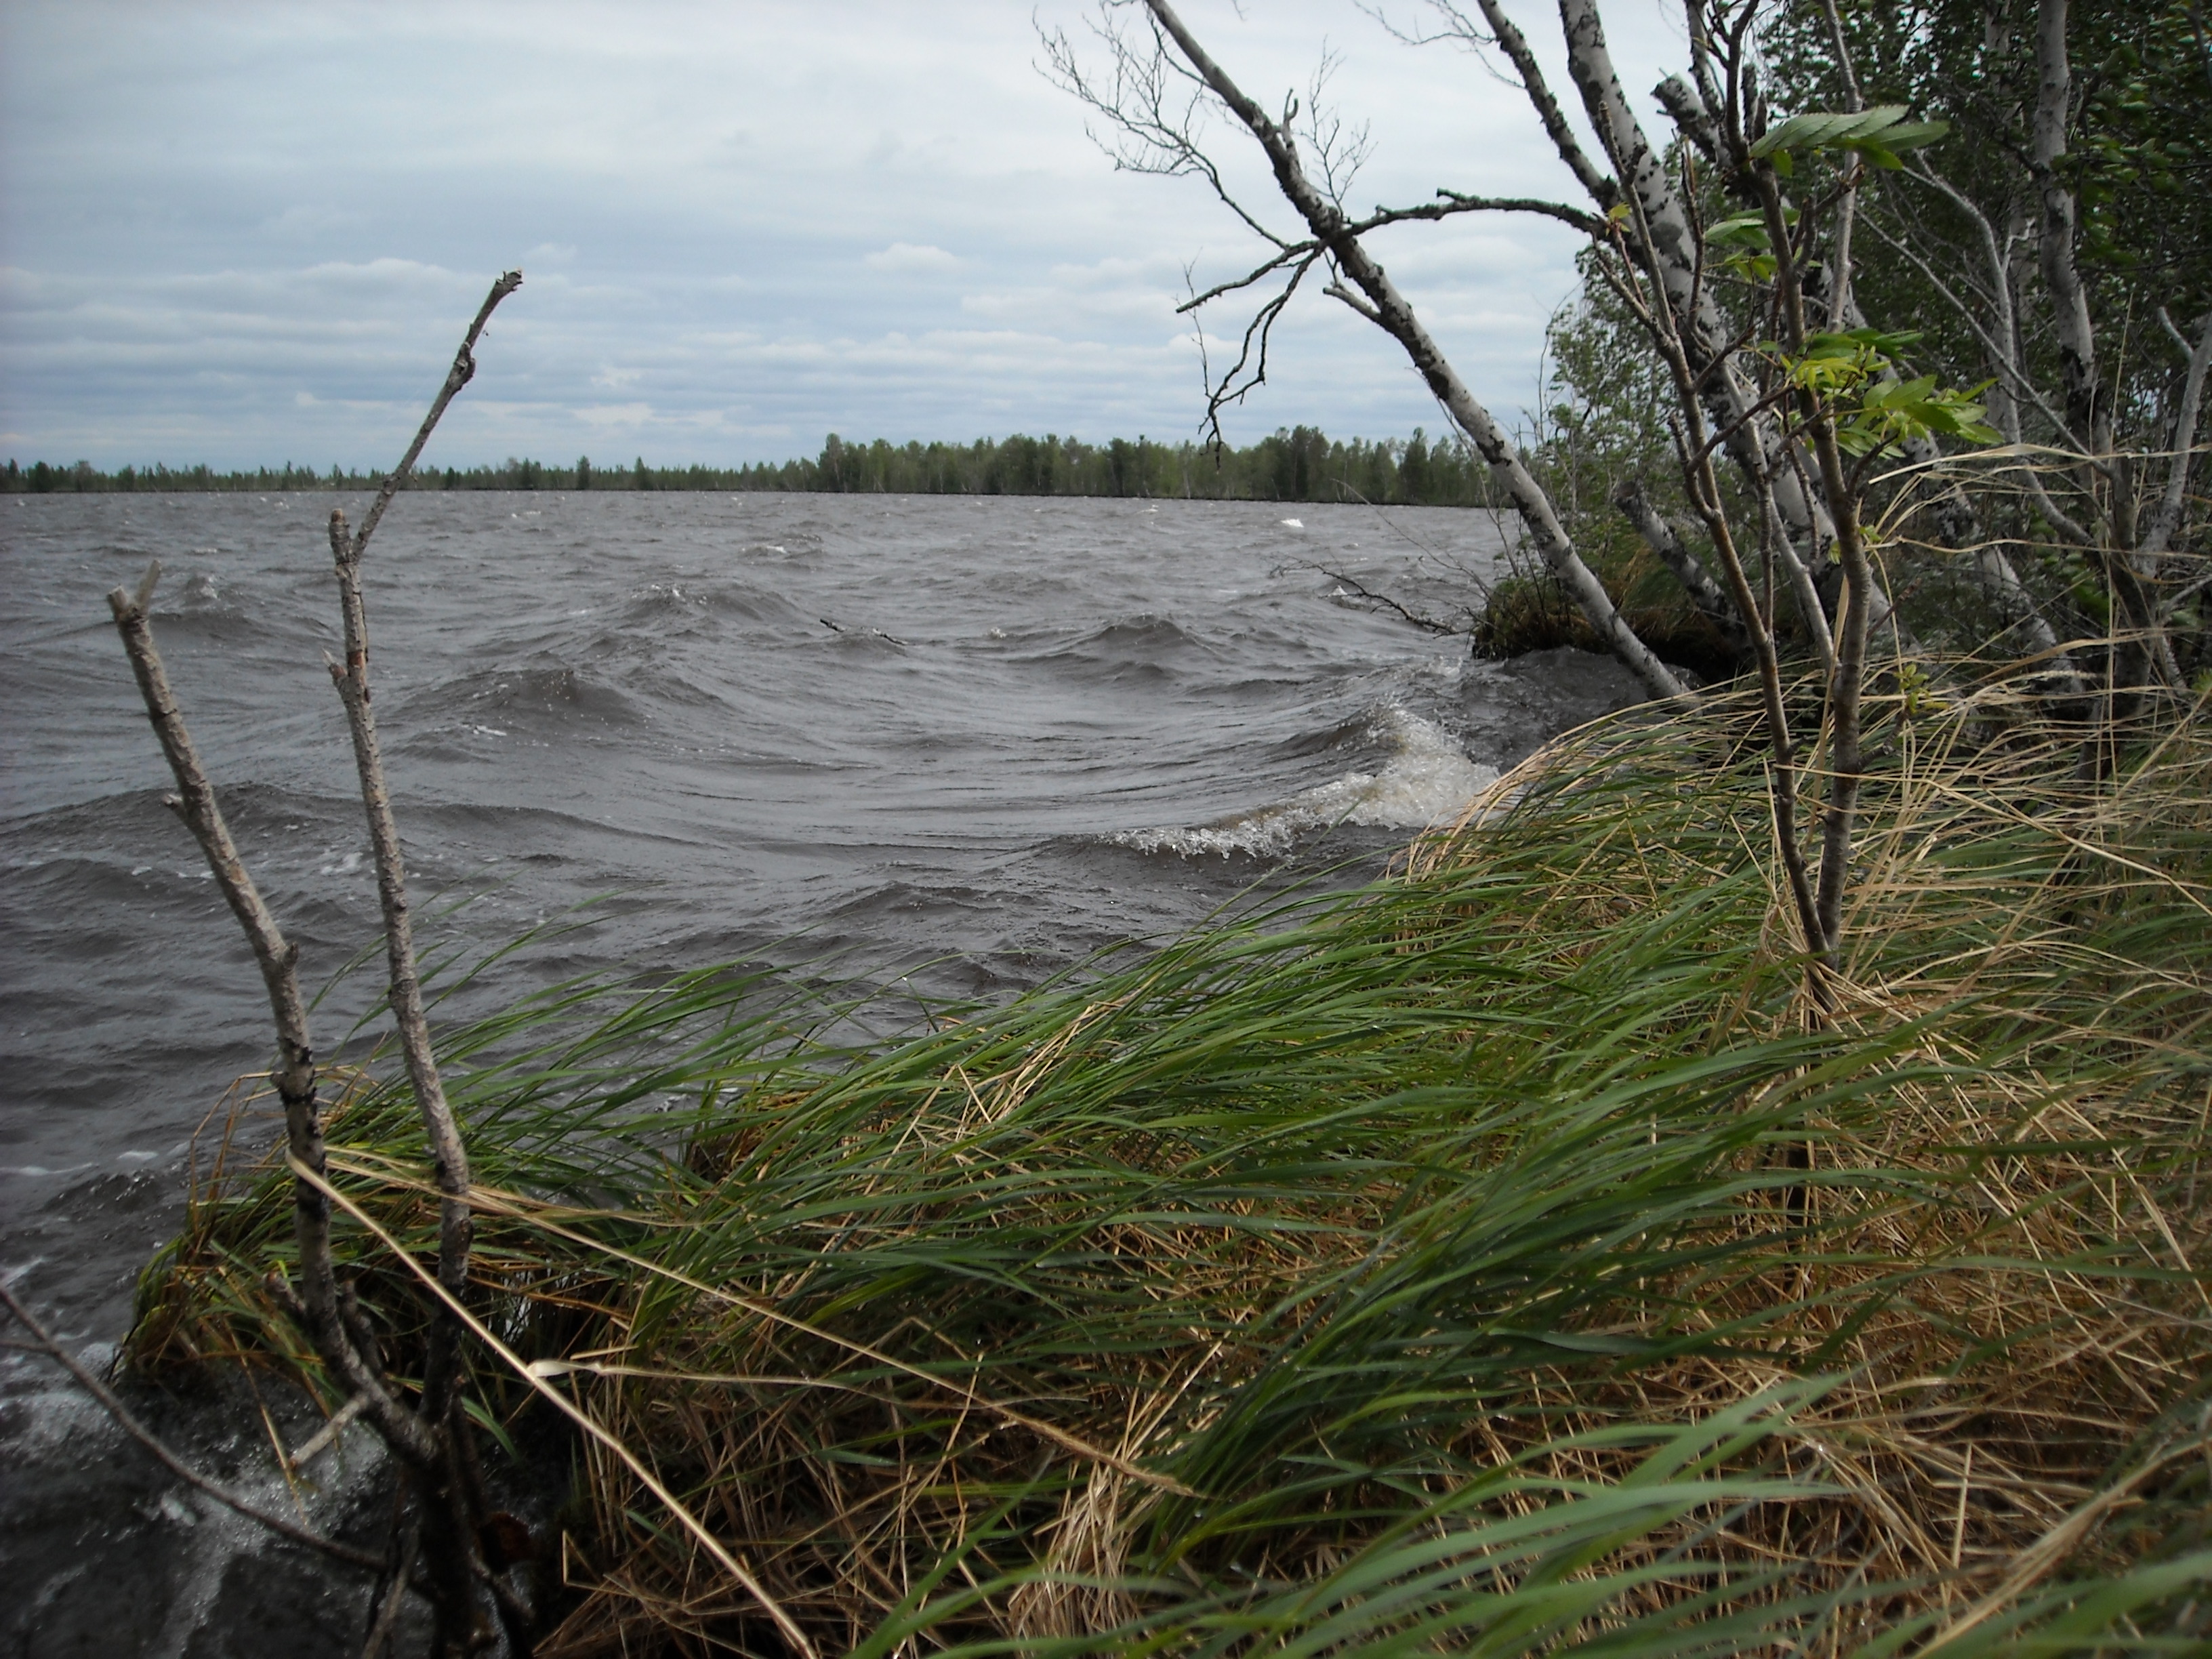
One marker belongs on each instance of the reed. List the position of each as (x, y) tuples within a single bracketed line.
[(1506, 1257)]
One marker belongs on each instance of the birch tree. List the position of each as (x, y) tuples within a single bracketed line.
[(1775, 383), (2062, 251)]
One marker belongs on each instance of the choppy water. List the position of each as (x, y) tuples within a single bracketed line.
[(966, 740)]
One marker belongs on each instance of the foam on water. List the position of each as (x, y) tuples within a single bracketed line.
[(1428, 780)]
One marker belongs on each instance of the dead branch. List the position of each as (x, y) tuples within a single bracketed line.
[(1359, 590), (43, 1339), (449, 1154), (196, 804), (473, 1606), (1331, 228), (463, 371), (460, 1577)]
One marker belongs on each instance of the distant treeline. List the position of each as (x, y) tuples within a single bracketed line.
[(1298, 465)]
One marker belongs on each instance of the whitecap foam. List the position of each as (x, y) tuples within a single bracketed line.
[(1428, 780)]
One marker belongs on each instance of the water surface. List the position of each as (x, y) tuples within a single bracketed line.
[(963, 743)]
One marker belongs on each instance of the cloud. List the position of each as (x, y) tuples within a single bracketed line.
[(615, 414), (909, 255), (308, 223), (203, 265)]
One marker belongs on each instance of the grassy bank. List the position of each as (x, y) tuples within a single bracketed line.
[(1500, 1259)]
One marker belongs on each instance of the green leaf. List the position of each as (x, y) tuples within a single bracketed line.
[(1878, 134), (1745, 249), (1744, 230)]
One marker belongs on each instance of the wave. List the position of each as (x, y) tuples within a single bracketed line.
[(1427, 781), (1137, 640), (549, 694), (201, 607), (655, 602)]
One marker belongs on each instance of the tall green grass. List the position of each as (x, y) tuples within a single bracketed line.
[(1504, 1258)]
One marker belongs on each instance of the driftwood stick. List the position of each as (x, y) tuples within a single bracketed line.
[(387, 1603), (470, 1610), (196, 804), (169, 1460), (463, 371), (449, 1155), (312, 1447), (1359, 590)]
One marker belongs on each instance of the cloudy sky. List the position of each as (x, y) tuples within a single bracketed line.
[(244, 234)]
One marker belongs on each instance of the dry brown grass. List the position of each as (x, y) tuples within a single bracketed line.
[(1509, 1257)]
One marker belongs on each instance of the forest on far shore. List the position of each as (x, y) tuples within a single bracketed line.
[(1300, 463)]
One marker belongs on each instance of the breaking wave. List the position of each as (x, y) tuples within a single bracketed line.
[(1427, 781)]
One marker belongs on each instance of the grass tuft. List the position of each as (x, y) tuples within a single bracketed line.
[(1502, 1258)]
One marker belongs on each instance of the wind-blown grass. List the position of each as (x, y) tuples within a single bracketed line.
[(1502, 1258)]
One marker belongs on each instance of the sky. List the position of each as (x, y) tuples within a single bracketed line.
[(242, 233)]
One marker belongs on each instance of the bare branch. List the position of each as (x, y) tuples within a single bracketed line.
[(130, 1425), (1331, 230), (294, 1076), (1590, 224), (1290, 255), (449, 1154), (1339, 151), (1337, 291), (1249, 370), (1359, 590), (463, 371), (1159, 127), (447, 1150), (460, 1579), (1454, 204)]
